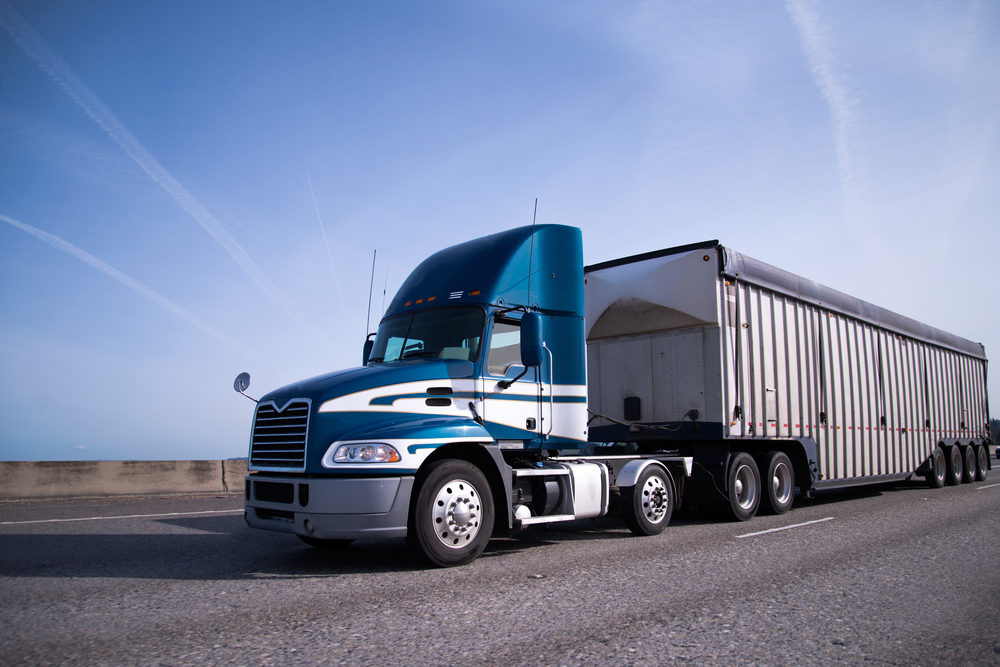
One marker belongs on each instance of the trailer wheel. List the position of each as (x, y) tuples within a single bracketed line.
[(778, 484), (320, 543), (743, 487), (955, 462), (646, 508), (969, 465), (452, 516), (937, 474), (982, 462)]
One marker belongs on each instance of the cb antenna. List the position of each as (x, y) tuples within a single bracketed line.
[(371, 285), (531, 249)]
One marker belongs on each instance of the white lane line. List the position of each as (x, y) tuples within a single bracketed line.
[(775, 530), (988, 486), (126, 516)]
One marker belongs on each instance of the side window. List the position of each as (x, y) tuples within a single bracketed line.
[(505, 347)]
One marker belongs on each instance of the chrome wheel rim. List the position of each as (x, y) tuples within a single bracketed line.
[(655, 499), (745, 487), (940, 468), (456, 514), (781, 482)]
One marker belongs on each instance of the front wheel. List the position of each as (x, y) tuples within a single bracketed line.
[(452, 516), (646, 507)]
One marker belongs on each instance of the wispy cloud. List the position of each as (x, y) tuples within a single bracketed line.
[(322, 229), (136, 286), (56, 68), (834, 87)]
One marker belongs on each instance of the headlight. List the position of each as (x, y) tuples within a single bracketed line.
[(368, 452)]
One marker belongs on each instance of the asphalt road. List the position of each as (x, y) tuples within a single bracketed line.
[(895, 575)]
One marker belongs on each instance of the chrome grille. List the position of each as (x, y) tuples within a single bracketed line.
[(279, 436)]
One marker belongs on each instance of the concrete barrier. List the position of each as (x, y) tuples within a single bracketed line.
[(36, 480)]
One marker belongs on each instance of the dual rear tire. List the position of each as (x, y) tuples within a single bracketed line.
[(765, 483)]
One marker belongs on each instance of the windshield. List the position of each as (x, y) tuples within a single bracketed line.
[(445, 333)]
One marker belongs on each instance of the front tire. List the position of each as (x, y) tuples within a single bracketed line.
[(452, 516), (646, 508), (743, 487)]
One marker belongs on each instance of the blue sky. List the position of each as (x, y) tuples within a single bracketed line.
[(189, 189)]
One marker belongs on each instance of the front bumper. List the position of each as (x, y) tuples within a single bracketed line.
[(329, 508)]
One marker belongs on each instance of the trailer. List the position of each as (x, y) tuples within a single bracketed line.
[(509, 386), (759, 373)]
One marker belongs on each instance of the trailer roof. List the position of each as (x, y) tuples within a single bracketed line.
[(736, 265)]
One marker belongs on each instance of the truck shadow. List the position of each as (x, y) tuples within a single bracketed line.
[(224, 548)]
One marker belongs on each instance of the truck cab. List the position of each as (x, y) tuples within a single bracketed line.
[(475, 380)]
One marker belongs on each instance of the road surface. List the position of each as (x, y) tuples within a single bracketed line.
[(892, 575)]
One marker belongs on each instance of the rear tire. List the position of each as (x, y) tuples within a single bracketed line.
[(937, 475), (452, 515), (646, 508), (969, 465), (982, 462), (955, 466), (778, 483), (742, 487)]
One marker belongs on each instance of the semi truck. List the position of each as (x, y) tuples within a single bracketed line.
[(508, 385)]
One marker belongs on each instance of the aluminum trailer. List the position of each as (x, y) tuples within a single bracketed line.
[(760, 373)]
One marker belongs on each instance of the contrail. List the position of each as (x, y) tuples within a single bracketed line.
[(140, 288), (834, 88), (322, 229), (57, 70)]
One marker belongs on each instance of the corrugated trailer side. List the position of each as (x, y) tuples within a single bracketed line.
[(708, 351), (878, 392)]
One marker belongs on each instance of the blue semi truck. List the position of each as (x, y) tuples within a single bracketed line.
[(508, 385)]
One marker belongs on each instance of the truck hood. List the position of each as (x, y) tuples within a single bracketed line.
[(386, 378), (415, 404)]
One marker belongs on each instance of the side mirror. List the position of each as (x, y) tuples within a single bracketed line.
[(369, 346), (531, 340), (241, 383)]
